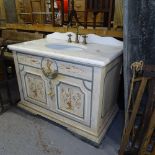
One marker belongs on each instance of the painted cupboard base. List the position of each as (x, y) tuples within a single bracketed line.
[(94, 139)]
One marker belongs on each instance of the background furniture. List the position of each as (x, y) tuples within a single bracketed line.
[(118, 14), (10, 10), (9, 93), (139, 131), (105, 7), (94, 13), (7, 76)]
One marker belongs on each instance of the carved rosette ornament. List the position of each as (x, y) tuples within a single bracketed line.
[(49, 68)]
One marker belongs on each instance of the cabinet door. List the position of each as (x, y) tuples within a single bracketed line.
[(67, 96), (35, 86), (73, 98)]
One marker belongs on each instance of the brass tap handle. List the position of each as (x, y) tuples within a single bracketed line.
[(69, 38), (84, 39)]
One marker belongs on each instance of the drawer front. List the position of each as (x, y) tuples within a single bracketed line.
[(64, 68), (29, 60), (75, 70)]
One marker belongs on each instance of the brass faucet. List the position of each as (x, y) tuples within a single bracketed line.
[(77, 34)]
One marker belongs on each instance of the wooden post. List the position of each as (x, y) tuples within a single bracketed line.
[(148, 135), (2, 10), (153, 151), (62, 12), (129, 126), (110, 13), (86, 14), (18, 10), (53, 12)]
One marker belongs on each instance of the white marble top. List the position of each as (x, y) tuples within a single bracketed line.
[(93, 54)]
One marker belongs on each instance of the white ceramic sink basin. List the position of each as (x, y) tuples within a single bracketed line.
[(66, 47)]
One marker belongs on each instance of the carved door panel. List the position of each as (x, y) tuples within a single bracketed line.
[(73, 98), (35, 86), (65, 95)]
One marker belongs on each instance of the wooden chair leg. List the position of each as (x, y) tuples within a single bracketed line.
[(85, 19), (94, 19), (153, 151), (86, 13), (110, 14), (105, 22)]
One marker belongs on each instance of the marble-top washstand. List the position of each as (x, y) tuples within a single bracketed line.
[(95, 54), (74, 85)]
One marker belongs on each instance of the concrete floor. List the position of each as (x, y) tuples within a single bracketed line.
[(24, 134)]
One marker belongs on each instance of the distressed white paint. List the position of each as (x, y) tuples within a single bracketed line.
[(82, 94)]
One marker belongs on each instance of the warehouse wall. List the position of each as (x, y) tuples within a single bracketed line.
[(139, 35), (10, 9), (2, 10)]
